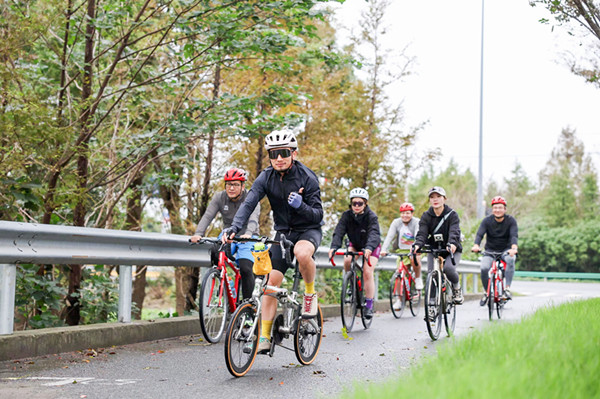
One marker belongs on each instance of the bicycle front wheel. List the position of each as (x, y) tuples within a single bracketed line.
[(307, 339), (433, 311), (397, 297), (501, 301), (449, 309), (491, 297), (213, 306), (415, 298), (241, 340), (348, 300)]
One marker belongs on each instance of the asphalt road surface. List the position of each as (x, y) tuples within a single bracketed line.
[(187, 367)]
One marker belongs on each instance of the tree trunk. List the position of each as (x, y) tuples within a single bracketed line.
[(133, 222), (73, 304)]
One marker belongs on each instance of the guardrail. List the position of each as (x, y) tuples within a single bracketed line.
[(52, 244)]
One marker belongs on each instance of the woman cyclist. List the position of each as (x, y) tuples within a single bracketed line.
[(441, 219), (361, 225)]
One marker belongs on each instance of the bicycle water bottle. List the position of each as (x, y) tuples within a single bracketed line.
[(232, 286)]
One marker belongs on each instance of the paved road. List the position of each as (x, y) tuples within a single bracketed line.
[(186, 367)]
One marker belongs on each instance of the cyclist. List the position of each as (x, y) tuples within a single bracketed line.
[(361, 225), (295, 197), (227, 202), (502, 234), (405, 228), (441, 219)]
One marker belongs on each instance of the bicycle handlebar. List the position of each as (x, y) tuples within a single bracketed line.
[(348, 253), (436, 252)]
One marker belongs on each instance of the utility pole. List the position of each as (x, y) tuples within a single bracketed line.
[(480, 206)]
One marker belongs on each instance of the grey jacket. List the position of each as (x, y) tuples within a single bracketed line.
[(222, 204)]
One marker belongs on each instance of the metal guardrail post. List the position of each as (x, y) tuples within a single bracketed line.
[(8, 282), (125, 291)]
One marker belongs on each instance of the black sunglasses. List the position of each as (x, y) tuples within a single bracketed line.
[(284, 152), (357, 203)]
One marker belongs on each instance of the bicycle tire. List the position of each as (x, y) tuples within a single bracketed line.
[(307, 339), (396, 294), (491, 297), (348, 301), (434, 323), (213, 306), (415, 299), (237, 359), (449, 310), (501, 300)]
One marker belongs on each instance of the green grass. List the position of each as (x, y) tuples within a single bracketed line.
[(554, 353)]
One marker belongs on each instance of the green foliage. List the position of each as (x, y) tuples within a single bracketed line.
[(38, 299), (551, 340), (574, 248)]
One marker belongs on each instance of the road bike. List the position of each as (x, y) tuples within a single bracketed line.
[(241, 340), (496, 297), (403, 290), (219, 294), (438, 293), (352, 298)]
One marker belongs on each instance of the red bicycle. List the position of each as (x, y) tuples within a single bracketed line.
[(352, 298), (402, 289), (495, 289), (219, 295)]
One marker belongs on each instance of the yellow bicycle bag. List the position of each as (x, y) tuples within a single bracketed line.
[(262, 262)]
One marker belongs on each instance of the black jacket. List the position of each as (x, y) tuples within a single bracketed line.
[(362, 230), (500, 236), (450, 229), (278, 188)]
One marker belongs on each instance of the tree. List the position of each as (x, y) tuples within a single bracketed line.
[(585, 14)]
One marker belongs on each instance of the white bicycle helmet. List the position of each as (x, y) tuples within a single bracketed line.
[(281, 139), (359, 193)]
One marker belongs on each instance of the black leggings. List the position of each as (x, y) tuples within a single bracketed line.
[(247, 277)]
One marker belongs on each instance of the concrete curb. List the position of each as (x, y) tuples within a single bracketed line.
[(32, 343)]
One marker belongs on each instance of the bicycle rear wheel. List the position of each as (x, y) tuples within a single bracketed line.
[(307, 339), (449, 309), (240, 343), (415, 299), (433, 311), (397, 295), (348, 300), (213, 306), (501, 301)]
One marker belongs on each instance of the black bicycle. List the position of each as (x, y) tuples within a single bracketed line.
[(241, 342), (352, 299), (438, 295)]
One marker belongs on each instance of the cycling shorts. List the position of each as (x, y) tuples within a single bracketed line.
[(314, 236), (376, 252)]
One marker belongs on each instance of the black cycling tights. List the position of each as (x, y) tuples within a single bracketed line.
[(247, 277)]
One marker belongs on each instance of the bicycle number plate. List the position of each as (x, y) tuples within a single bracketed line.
[(438, 237)]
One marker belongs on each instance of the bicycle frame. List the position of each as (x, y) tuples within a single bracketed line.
[(222, 267), (407, 277), (495, 279)]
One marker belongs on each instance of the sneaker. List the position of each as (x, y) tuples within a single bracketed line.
[(368, 313), (507, 293), (264, 345), (419, 284), (483, 300), (457, 296), (310, 306), (397, 305)]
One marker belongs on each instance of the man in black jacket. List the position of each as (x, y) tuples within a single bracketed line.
[(502, 234), (295, 197), (441, 219), (361, 225)]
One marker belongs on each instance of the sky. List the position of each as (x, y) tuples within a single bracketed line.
[(529, 93)]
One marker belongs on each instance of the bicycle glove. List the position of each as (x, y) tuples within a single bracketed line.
[(295, 200)]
